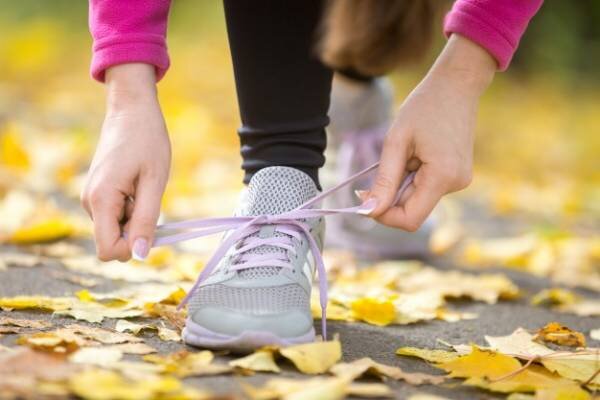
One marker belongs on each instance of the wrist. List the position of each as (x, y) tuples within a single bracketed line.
[(130, 84), (466, 63)]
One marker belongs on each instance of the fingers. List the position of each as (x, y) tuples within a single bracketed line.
[(106, 210), (389, 174), (416, 203), (146, 210)]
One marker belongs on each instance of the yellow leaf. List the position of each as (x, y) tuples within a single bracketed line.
[(313, 358), (44, 231), (554, 296), (363, 366), (39, 302), (106, 385), (260, 361), (183, 364), (296, 389), (12, 150), (561, 335), (373, 311), (480, 364), (578, 365), (85, 295), (435, 356)]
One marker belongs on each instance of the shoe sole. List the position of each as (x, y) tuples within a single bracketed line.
[(196, 335)]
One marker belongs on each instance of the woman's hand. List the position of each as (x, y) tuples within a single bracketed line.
[(433, 135), (130, 168)]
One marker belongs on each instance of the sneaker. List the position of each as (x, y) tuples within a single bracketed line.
[(259, 294), (360, 114)]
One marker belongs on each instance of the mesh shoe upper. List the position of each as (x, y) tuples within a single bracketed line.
[(264, 290)]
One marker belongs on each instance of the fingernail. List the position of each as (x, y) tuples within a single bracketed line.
[(368, 206), (140, 249), (360, 194)]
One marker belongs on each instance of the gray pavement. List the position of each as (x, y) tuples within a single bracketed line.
[(358, 340)]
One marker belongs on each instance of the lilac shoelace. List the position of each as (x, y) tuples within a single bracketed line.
[(289, 223)]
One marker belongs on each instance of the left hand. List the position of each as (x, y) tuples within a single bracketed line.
[(433, 134)]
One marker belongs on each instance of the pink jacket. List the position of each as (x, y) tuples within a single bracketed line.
[(136, 30)]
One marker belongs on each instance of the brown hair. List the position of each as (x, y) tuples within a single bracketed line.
[(372, 37)]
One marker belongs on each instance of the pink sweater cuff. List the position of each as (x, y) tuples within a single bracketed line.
[(132, 48), (496, 25)]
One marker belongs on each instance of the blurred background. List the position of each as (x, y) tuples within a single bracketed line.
[(538, 136)]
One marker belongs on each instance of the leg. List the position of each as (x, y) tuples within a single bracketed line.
[(282, 87)]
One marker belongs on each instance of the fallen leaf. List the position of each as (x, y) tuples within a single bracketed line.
[(43, 231), (23, 362), (24, 323), (184, 364), (554, 296), (360, 367), (20, 260), (318, 388), (97, 384), (580, 365), (434, 356), (133, 348), (95, 312), (377, 390), (502, 373), (99, 356), (35, 302), (313, 358), (373, 311), (561, 335), (259, 361), (163, 332), (102, 335)]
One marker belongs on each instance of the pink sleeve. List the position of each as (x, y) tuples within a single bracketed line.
[(126, 31), (496, 25)]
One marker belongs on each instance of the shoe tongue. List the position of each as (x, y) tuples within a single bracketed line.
[(275, 190)]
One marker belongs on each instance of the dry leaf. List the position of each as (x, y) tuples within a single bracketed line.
[(318, 388), (561, 335), (133, 348), (580, 365), (554, 296), (313, 358), (43, 231), (99, 356), (259, 361), (35, 302), (360, 367), (101, 335), (366, 390), (24, 323), (183, 364), (373, 311), (163, 332), (434, 356), (97, 384)]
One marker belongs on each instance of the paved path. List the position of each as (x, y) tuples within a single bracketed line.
[(358, 340)]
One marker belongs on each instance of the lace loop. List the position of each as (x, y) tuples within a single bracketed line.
[(290, 223)]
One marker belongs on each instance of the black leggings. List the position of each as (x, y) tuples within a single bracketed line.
[(282, 88)]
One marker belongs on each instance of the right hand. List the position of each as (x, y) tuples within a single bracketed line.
[(130, 168)]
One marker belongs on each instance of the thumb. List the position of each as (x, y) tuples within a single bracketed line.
[(390, 172), (146, 210)]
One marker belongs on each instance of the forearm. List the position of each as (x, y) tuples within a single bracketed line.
[(130, 84), (465, 62)]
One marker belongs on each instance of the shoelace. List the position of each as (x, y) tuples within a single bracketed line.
[(289, 223)]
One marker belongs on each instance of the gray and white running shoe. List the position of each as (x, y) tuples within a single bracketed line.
[(259, 293)]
